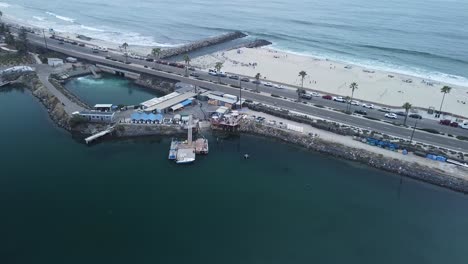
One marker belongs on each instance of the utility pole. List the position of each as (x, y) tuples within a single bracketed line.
[(414, 128), (240, 93), (45, 41)]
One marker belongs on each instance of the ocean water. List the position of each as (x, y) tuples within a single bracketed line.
[(427, 38), (123, 202)]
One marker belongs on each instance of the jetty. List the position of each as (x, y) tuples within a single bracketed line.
[(185, 151), (203, 43), (99, 134)]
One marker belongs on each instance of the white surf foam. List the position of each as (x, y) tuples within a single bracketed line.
[(4, 5), (386, 67), (64, 18), (39, 18)]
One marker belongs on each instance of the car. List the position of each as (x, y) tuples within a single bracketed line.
[(306, 96), (327, 97), (370, 106), (268, 84), (391, 115), (360, 112), (108, 57), (61, 42), (256, 82), (400, 113), (149, 59), (354, 102), (74, 43), (445, 122), (81, 45), (212, 72), (191, 69), (416, 116), (385, 110), (339, 99), (164, 63), (95, 51), (194, 74), (464, 125), (173, 64), (454, 124), (221, 74), (234, 77), (315, 94), (245, 79), (181, 66)]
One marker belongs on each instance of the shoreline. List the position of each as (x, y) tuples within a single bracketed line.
[(385, 162), (331, 77)]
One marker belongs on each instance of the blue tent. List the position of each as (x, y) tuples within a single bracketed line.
[(186, 102), (151, 117), (135, 116), (159, 117)]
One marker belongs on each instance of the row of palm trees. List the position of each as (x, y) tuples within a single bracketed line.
[(156, 52)]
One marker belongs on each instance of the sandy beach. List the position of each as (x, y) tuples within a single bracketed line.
[(333, 77)]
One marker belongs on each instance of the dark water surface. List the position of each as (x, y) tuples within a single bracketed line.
[(110, 89), (124, 202)]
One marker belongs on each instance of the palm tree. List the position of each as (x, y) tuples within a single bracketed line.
[(353, 86), (257, 78), (407, 106), (187, 63), (125, 46), (445, 90), (156, 52), (218, 67), (301, 91)]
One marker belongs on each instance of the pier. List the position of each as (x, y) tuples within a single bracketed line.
[(98, 135)]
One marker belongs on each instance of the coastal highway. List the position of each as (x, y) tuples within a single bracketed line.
[(204, 81)]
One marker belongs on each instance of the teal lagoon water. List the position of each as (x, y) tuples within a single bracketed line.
[(110, 89), (124, 202), (427, 38)]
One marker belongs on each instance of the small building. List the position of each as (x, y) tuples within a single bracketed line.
[(182, 105), (104, 107), (71, 60), (96, 116), (146, 118), (221, 101), (54, 62)]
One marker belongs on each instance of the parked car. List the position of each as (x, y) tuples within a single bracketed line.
[(445, 122), (222, 74), (212, 72), (416, 116), (268, 84), (391, 115), (339, 99), (306, 96), (194, 74), (454, 124), (234, 77), (108, 57), (464, 125), (191, 69), (74, 43), (400, 113), (327, 97), (61, 42), (81, 45), (315, 94), (354, 102), (149, 59), (370, 106), (245, 79), (360, 112)]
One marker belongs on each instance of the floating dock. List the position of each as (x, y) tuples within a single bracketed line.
[(201, 146), (185, 153), (173, 149), (98, 135)]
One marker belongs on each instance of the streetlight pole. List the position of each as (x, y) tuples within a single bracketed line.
[(240, 93), (45, 41), (414, 128)]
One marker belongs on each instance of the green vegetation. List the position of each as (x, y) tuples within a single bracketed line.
[(257, 78), (301, 91), (353, 86), (462, 138), (445, 90), (430, 130), (218, 66), (76, 120), (407, 106)]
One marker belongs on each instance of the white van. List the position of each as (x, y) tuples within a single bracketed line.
[(464, 125)]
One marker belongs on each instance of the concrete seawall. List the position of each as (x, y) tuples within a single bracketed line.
[(168, 53)]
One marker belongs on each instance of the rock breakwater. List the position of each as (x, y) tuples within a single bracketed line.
[(409, 169)]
